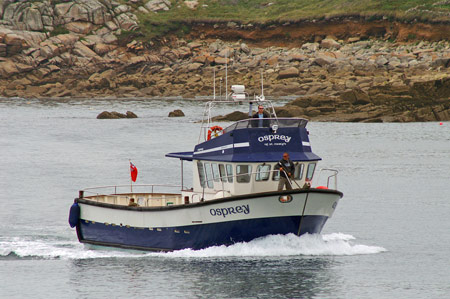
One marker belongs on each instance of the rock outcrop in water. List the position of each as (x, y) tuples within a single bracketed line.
[(176, 113), (116, 115), (76, 49)]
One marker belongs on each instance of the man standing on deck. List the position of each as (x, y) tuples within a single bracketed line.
[(286, 168), (261, 114)]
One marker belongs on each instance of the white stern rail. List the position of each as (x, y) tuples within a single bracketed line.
[(114, 189), (143, 194)]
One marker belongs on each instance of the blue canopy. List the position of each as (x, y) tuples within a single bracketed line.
[(188, 156), (254, 145)]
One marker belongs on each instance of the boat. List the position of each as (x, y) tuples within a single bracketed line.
[(234, 195)]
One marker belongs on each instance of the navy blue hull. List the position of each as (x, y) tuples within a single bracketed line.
[(195, 236)]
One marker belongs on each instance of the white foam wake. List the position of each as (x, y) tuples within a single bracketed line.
[(270, 246), (45, 249), (285, 245)]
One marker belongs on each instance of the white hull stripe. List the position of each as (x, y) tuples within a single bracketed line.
[(223, 147), (305, 143), (242, 144)]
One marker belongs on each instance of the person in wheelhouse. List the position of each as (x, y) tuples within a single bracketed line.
[(287, 169), (262, 117)]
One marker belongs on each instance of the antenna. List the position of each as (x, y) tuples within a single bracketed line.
[(214, 84), (262, 98), (226, 74), (262, 84), (220, 88)]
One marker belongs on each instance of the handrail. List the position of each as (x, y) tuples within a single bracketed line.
[(221, 179), (126, 186), (207, 118), (279, 121), (234, 176), (132, 193), (334, 175), (252, 123), (205, 182)]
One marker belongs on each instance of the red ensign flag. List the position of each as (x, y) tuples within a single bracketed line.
[(133, 171)]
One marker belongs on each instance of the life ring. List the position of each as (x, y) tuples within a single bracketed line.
[(215, 130)]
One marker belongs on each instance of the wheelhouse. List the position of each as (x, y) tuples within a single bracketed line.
[(242, 158), (214, 179)]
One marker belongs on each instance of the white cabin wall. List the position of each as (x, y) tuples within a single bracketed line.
[(195, 177), (237, 188)]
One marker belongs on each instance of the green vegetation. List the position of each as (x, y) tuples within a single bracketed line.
[(411, 36), (60, 29), (125, 34), (266, 11), (152, 29), (54, 2)]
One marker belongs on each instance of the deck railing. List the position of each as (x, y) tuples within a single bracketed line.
[(267, 122), (295, 184), (134, 191), (93, 190), (116, 191), (330, 177), (143, 194)]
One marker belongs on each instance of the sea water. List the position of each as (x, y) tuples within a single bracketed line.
[(389, 236)]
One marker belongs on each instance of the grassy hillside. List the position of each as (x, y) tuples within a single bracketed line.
[(270, 11), (294, 10)]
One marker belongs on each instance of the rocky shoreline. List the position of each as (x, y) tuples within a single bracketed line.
[(334, 78)]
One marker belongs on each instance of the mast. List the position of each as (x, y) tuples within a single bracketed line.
[(214, 84), (262, 84), (226, 75), (262, 98)]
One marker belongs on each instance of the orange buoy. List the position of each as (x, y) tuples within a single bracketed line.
[(321, 187)]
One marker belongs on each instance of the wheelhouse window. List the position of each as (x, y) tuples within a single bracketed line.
[(310, 172), (298, 173), (223, 175), (215, 170), (243, 173), (209, 175), (262, 172), (276, 174), (230, 172), (201, 173)]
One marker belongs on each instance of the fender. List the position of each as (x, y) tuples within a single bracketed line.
[(74, 215)]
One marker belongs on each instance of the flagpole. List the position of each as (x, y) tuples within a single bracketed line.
[(131, 180), (133, 175)]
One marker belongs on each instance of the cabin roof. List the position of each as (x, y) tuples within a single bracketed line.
[(187, 156), (245, 141)]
